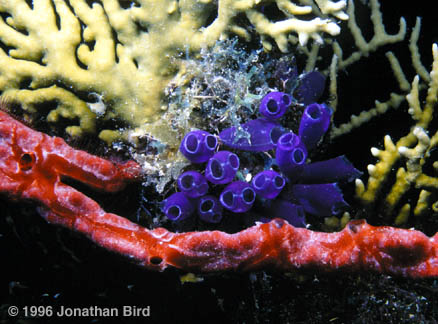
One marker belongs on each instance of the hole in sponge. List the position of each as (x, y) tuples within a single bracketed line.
[(155, 260), (26, 161)]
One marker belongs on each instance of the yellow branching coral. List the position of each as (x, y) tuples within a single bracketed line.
[(414, 150), (363, 48), (344, 57), (112, 59)]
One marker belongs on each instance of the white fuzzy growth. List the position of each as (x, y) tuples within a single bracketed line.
[(375, 151), (98, 107), (371, 169)]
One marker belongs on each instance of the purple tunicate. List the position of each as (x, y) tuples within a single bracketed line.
[(290, 155), (319, 199), (178, 207), (314, 123), (293, 213), (263, 135), (274, 105), (238, 197), (333, 170), (268, 184), (222, 167), (311, 87), (210, 209), (193, 184), (198, 146)]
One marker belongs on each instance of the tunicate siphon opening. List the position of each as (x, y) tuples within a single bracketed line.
[(206, 205), (248, 195), (228, 199), (286, 138), (298, 156), (276, 133), (278, 181), (187, 181), (191, 143), (272, 106), (216, 169), (260, 181), (211, 142), (174, 212), (234, 161), (314, 111)]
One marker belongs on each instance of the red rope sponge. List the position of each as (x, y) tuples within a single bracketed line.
[(359, 247), (31, 166)]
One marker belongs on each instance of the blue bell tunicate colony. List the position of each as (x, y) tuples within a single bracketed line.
[(289, 187)]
